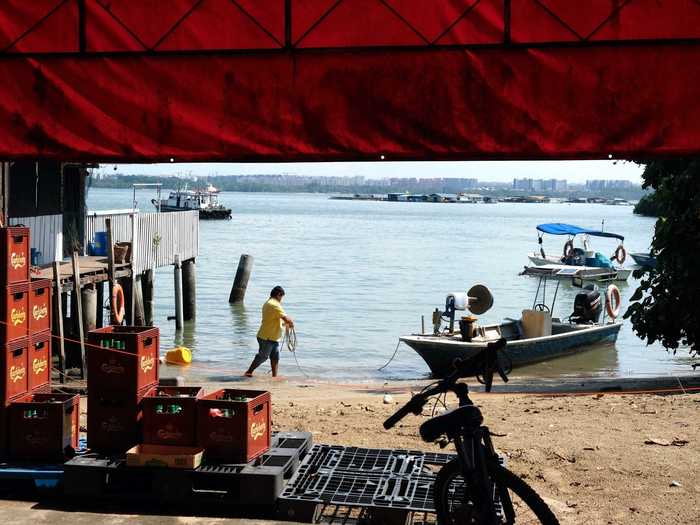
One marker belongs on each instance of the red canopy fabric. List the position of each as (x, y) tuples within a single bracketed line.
[(286, 80)]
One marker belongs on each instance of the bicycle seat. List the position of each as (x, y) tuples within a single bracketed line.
[(467, 417)]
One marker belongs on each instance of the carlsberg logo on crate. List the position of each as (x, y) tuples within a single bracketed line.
[(18, 260), (17, 373), (147, 363), (257, 430), (18, 316), (39, 365), (40, 311), (112, 367)]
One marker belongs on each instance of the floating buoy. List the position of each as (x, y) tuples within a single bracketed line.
[(178, 356)]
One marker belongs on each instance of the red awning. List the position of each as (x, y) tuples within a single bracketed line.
[(237, 80)]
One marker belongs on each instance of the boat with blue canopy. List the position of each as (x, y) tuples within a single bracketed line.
[(579, 260)]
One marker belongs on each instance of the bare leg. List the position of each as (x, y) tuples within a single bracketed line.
[(274, 364)]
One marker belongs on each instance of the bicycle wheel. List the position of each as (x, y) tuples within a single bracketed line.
[(454, 506)]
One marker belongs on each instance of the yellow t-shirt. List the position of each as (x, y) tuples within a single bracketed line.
[(271, 325)]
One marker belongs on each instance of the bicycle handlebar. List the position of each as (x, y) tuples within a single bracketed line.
[(487, 358)]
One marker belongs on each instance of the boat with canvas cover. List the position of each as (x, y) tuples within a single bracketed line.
[(595, 265), (534, 337)]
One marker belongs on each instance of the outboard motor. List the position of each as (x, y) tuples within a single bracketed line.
[(587, 306)]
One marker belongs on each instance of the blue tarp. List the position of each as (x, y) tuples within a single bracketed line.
[(558, 228)]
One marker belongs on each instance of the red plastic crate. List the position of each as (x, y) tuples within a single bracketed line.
[(14, 363), (170, 415), (44, 426), (14, 254), (39, 361), (114, 421), (129, 370), (233, 430), (39, 305), (14, 312)]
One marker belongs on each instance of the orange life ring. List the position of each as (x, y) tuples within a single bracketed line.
[(620, 254), (613, 301), (118, 303), (569, 248)]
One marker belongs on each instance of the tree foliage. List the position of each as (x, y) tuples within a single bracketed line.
[(649, 206), (666, 306)]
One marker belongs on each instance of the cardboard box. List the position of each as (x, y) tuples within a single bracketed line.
[(164, 456)]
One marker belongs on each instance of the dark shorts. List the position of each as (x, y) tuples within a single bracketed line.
[(268, 350)]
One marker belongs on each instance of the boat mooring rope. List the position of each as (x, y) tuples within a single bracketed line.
[(396, 351)]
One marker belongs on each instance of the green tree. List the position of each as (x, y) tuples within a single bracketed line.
[(666, 306), (649, 206)]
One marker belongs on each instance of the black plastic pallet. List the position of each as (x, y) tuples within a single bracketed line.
[(390, 485), (257, 483)]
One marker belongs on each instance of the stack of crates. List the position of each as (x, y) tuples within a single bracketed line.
[(122, 370), (34, 424)]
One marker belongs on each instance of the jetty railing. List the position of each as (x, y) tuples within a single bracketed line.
[(160, 237)]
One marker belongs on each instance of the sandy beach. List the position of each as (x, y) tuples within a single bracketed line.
[(596, 459)]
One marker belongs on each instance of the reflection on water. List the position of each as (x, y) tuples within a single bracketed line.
[(600, 357), (360, 274)]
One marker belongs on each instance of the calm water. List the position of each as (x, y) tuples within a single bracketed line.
[(359, 274)]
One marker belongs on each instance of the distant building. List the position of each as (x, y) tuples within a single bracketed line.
[(603, 185), (540, 185)]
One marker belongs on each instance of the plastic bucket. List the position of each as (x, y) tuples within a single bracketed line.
[(100, 247)]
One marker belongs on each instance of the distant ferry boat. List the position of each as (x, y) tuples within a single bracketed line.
[(204, 201)]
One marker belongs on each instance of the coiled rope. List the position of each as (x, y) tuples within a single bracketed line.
[(290, 341)]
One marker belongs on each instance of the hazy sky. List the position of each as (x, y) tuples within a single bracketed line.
[(577, 171)]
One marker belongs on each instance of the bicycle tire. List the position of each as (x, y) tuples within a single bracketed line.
[(502, 477)]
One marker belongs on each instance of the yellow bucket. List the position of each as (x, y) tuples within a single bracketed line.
[(178, 356)]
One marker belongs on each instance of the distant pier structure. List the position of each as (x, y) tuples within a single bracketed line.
[(50, 199)]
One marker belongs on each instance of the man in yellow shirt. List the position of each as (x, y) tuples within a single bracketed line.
[(270, 332)]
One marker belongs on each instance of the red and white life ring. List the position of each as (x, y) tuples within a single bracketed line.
[(620, 255), (613, 301), (118, 303)]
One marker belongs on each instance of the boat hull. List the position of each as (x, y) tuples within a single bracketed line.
[(644, 260), (621, 274), (209, 214), (439, 352)]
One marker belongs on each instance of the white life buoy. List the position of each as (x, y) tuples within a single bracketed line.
[(613, 301)]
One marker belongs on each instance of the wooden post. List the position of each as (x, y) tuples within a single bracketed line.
[(110, 267), (148, 289), (189, 290), (58, 323), (179, 321), (89, 301), (137, 294), (240, 282), (134, 250), (99, 307), (79, 310)]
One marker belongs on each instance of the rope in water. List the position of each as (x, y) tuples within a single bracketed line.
[(290, 341), (396, 351)]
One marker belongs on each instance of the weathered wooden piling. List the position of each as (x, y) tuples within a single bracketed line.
[(57, 325), (240, 282), (189, 290), (100, 305), (89, 305), (139, 310), (148, 293), (79, 311), (179, 320), (125, 283)]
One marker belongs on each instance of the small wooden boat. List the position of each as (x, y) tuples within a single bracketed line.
[(533, 338), (439, 352), (645, 260)]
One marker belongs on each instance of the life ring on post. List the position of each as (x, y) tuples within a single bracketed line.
[(613, 301), (569, 248), (118, 303), (620, 255)]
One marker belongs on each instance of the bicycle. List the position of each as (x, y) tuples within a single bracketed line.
[(475, 487)]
